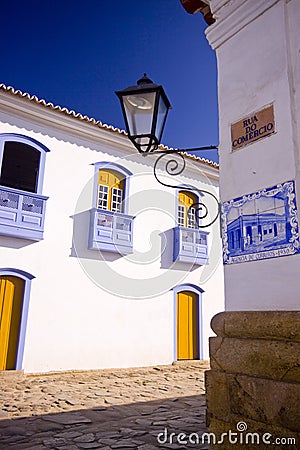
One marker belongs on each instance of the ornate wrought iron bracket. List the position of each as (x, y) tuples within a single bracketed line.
[(175, 166)]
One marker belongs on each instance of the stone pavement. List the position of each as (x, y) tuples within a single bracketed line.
[(104, 409)]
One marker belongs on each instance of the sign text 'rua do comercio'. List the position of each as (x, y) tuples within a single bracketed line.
[(256, 126)]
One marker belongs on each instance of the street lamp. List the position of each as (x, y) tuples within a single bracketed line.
[(145, 108)]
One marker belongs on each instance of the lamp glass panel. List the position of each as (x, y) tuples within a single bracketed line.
[(139, 111), (162, 111)]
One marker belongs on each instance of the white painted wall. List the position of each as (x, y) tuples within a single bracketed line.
[(81, 315), (257, 46)]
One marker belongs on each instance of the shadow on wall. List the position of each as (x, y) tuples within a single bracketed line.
[(15, 242)]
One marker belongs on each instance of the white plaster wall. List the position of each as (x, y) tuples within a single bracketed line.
[(258, 64), (81, 315), (292, 21), (252, 74)]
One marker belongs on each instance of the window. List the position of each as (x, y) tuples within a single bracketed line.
[(180, 215), (116, 200), (110, 226), (191, 219), (186, 212), (102, 201), (20, 166), (190, 242), (22, 162), (110, 190), (22, 205)]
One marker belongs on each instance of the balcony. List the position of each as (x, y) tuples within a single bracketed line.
[(22, 214), (110, 231), (190, 245)]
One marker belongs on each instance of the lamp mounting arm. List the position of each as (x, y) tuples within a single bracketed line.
[(186, 150)]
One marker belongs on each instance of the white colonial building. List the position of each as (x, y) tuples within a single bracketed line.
[(101, 265)]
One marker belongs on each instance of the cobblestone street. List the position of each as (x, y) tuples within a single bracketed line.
[(105, 409)]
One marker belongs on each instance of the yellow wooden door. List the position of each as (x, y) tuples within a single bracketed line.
[(115, 182), (185, 210), (11, 300), (187, 342)]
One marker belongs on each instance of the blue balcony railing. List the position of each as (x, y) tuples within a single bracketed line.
[(22, 214), (190, 245), (110, 231)]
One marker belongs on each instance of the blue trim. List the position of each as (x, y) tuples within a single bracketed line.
[(198, 291), (27, 277), (19, 137), (13, 272), (188, 287), (175, 325), (112, 166), (14, 137)]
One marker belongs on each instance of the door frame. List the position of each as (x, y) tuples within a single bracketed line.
[(198, 291), (27, 277)]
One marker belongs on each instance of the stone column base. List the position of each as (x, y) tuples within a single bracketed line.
[(253, 387)]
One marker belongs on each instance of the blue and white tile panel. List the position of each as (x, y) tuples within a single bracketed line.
[(261, 225)]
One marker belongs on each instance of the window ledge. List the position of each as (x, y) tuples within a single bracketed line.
[(22, 214), (190, 246), (110, 231)]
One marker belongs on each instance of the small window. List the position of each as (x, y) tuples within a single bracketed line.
[(191, 219), (20, 166), (22, 163), (22, 203), (111, 228), (180, 215), (102, 202), (186, 212), (110, 190), (116, 200)]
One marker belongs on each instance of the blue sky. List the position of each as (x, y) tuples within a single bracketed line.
[(77, 54)]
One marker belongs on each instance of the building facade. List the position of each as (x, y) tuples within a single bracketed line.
[(101, 265)]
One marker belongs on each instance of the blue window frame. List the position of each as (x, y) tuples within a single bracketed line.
[(22, 205), (111, 228)]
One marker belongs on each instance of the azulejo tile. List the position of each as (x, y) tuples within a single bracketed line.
[(261, 225)]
